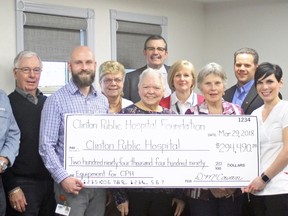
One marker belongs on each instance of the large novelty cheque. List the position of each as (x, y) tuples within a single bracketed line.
[(161, 150)]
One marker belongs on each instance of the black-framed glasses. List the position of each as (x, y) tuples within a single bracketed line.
[(27, 70), (160, 49), (108, 81)]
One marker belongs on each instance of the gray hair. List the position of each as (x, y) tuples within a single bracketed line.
[(157, 74), (211, 68), (26, 54)]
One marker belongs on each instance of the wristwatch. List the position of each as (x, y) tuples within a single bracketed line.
[(3, 165), (265, 178)]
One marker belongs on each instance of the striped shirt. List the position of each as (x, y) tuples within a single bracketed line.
[(68, 99)]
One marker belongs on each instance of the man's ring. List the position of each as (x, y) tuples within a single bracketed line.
[(15, 206)]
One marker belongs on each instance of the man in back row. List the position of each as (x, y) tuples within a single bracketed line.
[(244, 93), (155, 52)]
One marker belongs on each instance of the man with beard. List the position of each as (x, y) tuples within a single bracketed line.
[(78, 96), (155, 52)]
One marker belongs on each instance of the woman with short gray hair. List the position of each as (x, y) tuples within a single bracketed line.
[(214, 201)]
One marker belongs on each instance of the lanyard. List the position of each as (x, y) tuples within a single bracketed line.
[(177, 107)]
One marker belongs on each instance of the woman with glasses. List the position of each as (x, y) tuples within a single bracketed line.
[(111, 78)]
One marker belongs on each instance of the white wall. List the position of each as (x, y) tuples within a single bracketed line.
[(262, 26), (184, 32), (196, 32), (7, 44)]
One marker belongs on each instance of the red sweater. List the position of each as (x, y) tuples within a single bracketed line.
[(165, 102)]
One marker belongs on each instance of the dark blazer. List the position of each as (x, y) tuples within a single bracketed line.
[(130, 88), (251, 102)]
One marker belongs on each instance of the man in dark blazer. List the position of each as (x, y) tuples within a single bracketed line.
[(244, 92), (155, 52), (251, 102)]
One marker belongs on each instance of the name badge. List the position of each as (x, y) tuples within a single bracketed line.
[(62, 209)]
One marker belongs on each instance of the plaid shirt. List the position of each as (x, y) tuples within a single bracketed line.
[(228, 109), (202, 109), (68, 99)]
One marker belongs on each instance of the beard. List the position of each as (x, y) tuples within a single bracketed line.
[(83, 81)]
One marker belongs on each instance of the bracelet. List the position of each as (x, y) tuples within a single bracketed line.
[(14, 191)]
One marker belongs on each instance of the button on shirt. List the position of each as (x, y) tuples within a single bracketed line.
[(66, 100), (241, 93)]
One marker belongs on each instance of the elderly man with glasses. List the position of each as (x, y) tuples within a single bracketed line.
[(28, 183)]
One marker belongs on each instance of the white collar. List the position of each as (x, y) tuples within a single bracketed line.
[(162, 69), (190, 100)]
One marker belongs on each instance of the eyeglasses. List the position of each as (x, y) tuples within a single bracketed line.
[(160, 49), (27, 70), (108, 81)]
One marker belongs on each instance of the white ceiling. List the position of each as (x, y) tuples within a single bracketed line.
[(221, 1)]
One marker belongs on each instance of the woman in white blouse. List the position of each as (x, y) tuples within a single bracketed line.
[(181, 80), (270, 188)]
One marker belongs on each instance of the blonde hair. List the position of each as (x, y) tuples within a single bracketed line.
[(111, 67), (178, 65)]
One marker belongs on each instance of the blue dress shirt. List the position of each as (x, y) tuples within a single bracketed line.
[(241, 93), (9, 131)]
